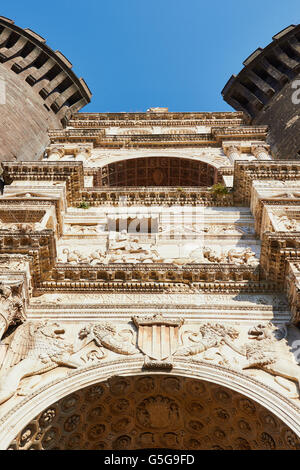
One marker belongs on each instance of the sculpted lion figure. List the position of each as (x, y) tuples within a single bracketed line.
[(233, 256), (269, 351), (208, 336), (267, 348), (36, 348)]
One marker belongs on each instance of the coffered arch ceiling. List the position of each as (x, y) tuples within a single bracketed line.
[(157, 171), (156, 411)]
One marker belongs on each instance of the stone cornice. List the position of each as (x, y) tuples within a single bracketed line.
[(168, 116), (153, 277), (242, 132), (246, 172), (124, 141), (69, 172), (100, 139), (154, 196), (105, 123)]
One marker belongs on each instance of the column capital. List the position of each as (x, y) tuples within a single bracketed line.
[(232, 150), (82, 152), (56, 152), (232, 147), (261, 151)]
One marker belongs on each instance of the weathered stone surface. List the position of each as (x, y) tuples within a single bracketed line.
[(266, 91), (155, 412), (38, 91)]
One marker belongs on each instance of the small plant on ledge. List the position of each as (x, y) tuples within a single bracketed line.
[(219, 190), (84, 205), (181, 191)]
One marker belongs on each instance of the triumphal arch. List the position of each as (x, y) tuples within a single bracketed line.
[(149, 265)]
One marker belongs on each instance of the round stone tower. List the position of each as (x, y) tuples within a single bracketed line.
[(267, 90), (38, 91)]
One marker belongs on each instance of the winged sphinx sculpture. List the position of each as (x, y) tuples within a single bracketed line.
[(38, 347)]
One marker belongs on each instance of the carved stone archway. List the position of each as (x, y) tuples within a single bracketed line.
[(157, 171), (155, 411), (195, 406)]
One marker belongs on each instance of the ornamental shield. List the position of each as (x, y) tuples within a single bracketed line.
[(158, 337)]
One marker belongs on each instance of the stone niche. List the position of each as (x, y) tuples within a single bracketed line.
[(155, 411)]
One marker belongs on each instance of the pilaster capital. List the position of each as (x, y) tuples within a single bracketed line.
[(230, 148), (56, 152), (82, 152), (261, 151), (82, 149)]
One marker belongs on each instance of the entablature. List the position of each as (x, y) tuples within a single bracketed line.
[(245, 173)]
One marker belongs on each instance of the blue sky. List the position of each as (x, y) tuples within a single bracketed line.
[(135, 54)]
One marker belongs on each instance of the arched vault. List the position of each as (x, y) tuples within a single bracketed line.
[(119, 406)]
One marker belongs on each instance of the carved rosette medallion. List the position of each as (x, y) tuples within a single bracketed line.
[(158, 339)]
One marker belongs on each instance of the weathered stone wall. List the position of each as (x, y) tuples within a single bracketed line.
[(264, 90), (24, 121), (38, 92)]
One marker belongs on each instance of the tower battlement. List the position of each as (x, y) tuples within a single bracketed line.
[(264, 90)]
